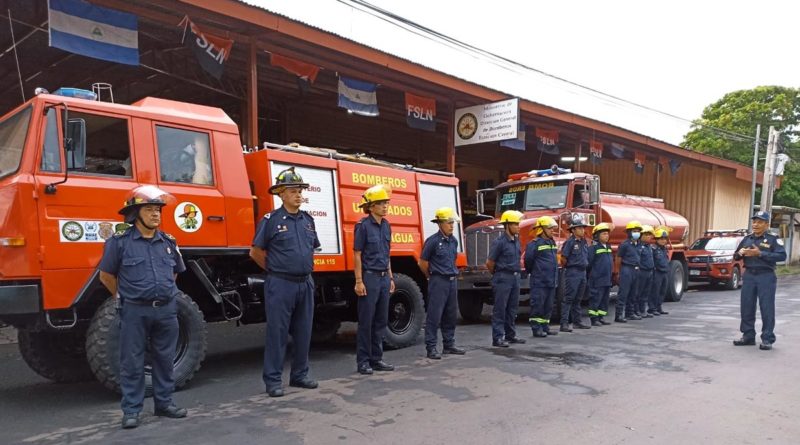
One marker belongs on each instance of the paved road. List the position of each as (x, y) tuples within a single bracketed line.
[(673, 379)]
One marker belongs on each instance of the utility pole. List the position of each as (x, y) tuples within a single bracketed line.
[(768, 186), (755, 175)]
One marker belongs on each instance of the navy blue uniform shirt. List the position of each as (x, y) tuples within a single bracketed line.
[(629, 253), (601, 264), (645, 256), (373, 240), (661, 258), (771, 248), (506, 253), (145, 267), (440, 252), (541, 262), (289, 239), (576, 252)]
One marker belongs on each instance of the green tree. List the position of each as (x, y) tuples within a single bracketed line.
[(738, 113)]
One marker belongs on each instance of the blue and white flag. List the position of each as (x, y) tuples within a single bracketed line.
[(519, 142), (617, 150), (92, 31), (358, 97)]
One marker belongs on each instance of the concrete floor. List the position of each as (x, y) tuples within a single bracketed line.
[(672, 379)]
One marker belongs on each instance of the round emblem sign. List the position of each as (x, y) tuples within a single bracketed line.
[(72, 231), (467, 126), (188, 216)]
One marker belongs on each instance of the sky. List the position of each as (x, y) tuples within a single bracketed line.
[(676, 57)]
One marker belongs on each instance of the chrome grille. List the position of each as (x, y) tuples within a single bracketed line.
[(698, 259), (478, 243)]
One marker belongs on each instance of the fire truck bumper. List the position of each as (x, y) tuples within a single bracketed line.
[(19, 299)]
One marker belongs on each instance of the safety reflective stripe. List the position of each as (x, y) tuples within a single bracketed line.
[(603, 251), (547, 247), (539, 320), (591, 312), (601, 313)]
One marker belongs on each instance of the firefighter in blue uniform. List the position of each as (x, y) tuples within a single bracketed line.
[(542, 264), (628, 261), (644, 278), (284, 246), (760, 250), (139, 267), (504, 265), (575, 252), (438, 263), (661, 260), (601, 264), (374, 281)]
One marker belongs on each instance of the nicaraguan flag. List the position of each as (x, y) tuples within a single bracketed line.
[(674, 166), (519, 142), (92, 31), (358, 97), (617, 150)]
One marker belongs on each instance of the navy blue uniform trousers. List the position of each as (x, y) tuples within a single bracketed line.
[(598, 301), (373, 315), (627, 290), (442, 310), (574, 288), (505, 286), (139, 326), (659, 290), (290, 310), (759, 286), (542, 307), (644, 290)]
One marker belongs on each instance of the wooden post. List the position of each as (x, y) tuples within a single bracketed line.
[(451, 143), (252, 96)]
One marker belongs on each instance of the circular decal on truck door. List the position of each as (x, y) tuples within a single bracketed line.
[(188, 216)]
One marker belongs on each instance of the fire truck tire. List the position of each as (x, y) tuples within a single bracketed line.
[(676, 281), (736, 277), (324, 329), (57, 356), (406, 313), (470, 305), (102, 345)]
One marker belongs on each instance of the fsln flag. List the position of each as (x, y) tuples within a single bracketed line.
[(82, 28), (211, 51), (547, 141), (519, 142), (617, 150), (596, 151), (638, 162), (420, 112), (306, 72), (358, 97), (674, 166)]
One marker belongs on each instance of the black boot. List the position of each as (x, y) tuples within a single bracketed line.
[(620, 319), (596, 322), (565, 327), (603, 322)]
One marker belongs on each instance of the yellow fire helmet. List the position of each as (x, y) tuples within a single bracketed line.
[(546, 222), (633, 225), (601, 227), (511, 217), (646, 228), (445, 214), (662, 232), (376, 193)]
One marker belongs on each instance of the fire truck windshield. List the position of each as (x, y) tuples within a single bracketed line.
[(13, 130), (539, 195)]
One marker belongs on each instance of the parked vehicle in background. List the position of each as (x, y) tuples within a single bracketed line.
[(710, 258)]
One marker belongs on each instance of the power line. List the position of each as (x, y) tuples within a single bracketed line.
[(453, 43)]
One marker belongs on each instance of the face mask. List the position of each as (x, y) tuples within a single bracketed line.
[(635, 235)]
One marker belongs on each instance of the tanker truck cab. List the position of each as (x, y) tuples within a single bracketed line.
[(561, 194)]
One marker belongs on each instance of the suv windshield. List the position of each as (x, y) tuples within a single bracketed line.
[(540, 195), (12, 140), (721, 243)]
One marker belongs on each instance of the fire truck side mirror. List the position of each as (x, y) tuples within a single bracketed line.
[(479, 202), (593, 188)]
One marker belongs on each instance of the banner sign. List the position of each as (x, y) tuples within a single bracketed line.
[(493, 122)]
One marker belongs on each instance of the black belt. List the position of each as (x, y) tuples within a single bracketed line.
[(380, 273), (152, 303), (445, 276), (759, 270), (290, 277)]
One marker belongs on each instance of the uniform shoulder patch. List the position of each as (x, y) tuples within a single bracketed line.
[(267, 215), (168, 236), (122, 232), (779, 241)]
